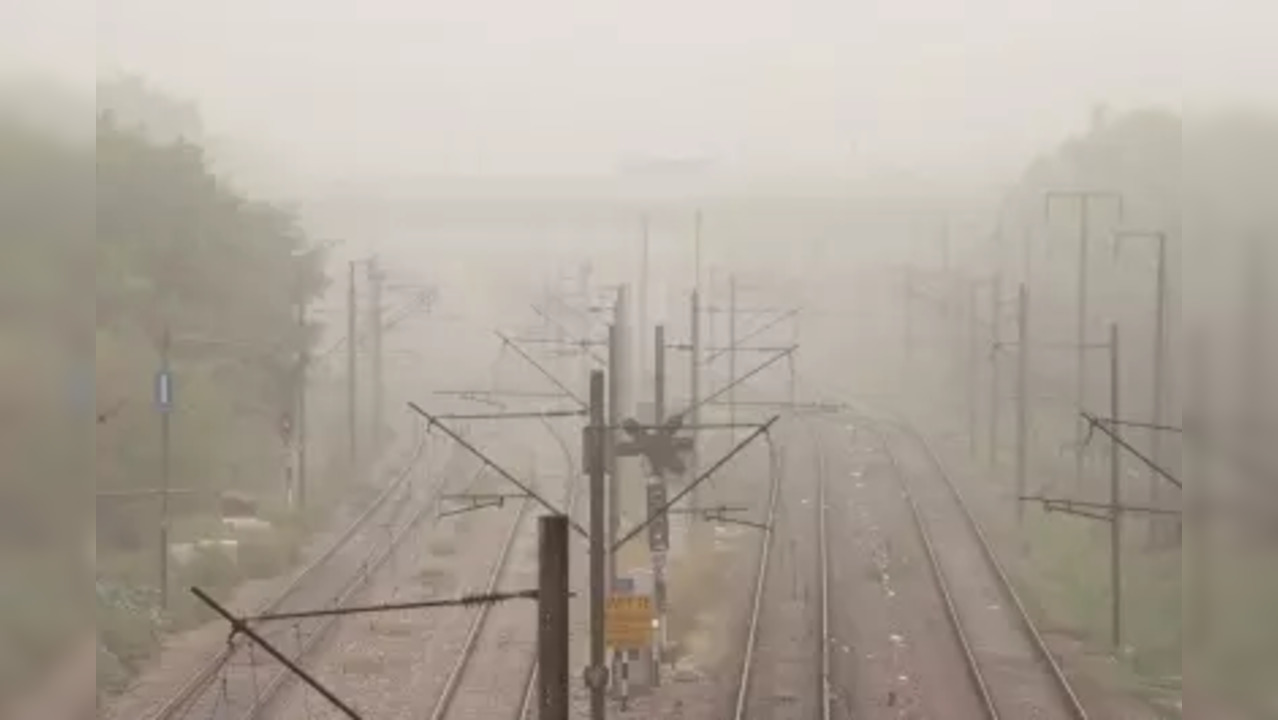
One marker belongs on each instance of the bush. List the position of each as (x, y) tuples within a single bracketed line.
[(127, 626), (266, 554)]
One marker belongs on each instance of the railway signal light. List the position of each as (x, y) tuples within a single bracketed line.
[(659, 445)]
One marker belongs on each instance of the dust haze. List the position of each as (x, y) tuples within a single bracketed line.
[(269, 176)]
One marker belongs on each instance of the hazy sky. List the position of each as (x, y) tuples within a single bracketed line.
[(495, 86)]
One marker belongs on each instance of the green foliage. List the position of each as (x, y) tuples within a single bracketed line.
[(105, 243)]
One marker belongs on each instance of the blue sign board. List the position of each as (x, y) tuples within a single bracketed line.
[(164, 390)]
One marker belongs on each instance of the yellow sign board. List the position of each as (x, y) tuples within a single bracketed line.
[(628, 622)]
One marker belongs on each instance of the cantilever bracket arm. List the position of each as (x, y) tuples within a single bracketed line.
[(661, 511), (724, 519), (434, 422), (538, 366), (481, 501), (1096, 423)]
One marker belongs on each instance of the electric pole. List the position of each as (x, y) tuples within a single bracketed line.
[(303, 365), (732, 357), (596, 675), (1022, 396), (1115, 494), (908, 324), (375, 281), (973, 366), (1160, 374), (613, 463), (1085, 199), (164, 400), (352, 371), (996, 339), (642, 316), (694, 401), (659, 542)]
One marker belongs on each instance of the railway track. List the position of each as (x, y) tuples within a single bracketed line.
[(502, 640), (1007, 660), (241, 681), (785, 664)]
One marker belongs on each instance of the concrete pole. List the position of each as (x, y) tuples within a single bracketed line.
[(375, 280), (973, 367), (1080, 399), (303, 370), (610, 440), (996, 340), (1115, 495), (596, 675), (694, 417), (1158, 526), (166, 344), (659, 553), (642, 315), (732, 357), (1022, 398), (352, 371), (553, 629)]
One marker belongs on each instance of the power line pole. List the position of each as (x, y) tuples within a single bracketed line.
[(1156, 534), (303, 367), (996, 339), (642, 316), (596, 675), (908, 323), (553, 630), (352, 371), (613, 463), (1085, 199), (695, 392), (659, 540), (1115, 495), (164, 401), (1022, 396), (1197, 422), (732, 357), (973, 366), (375, 282)]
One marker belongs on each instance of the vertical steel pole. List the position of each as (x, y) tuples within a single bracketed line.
[(352, 379), (973, 368), (303, 368), (694, 399), (732, 357), (597, 672), (659, 553), (1157, 525), (610, 442), (641, 317), (1115, 495), (908, 324), (1084, 260), (165, 407), (996, 339), (375, 279), (1022, 398), (553, 630)]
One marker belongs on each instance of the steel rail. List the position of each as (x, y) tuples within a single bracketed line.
[(752, 633), (1060, 680), (823, 569), (446, 696), (203, 678), (1064, 687), (942, 582), (353, 587)]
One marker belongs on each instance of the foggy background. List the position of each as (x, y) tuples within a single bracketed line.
[(487, 149)]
